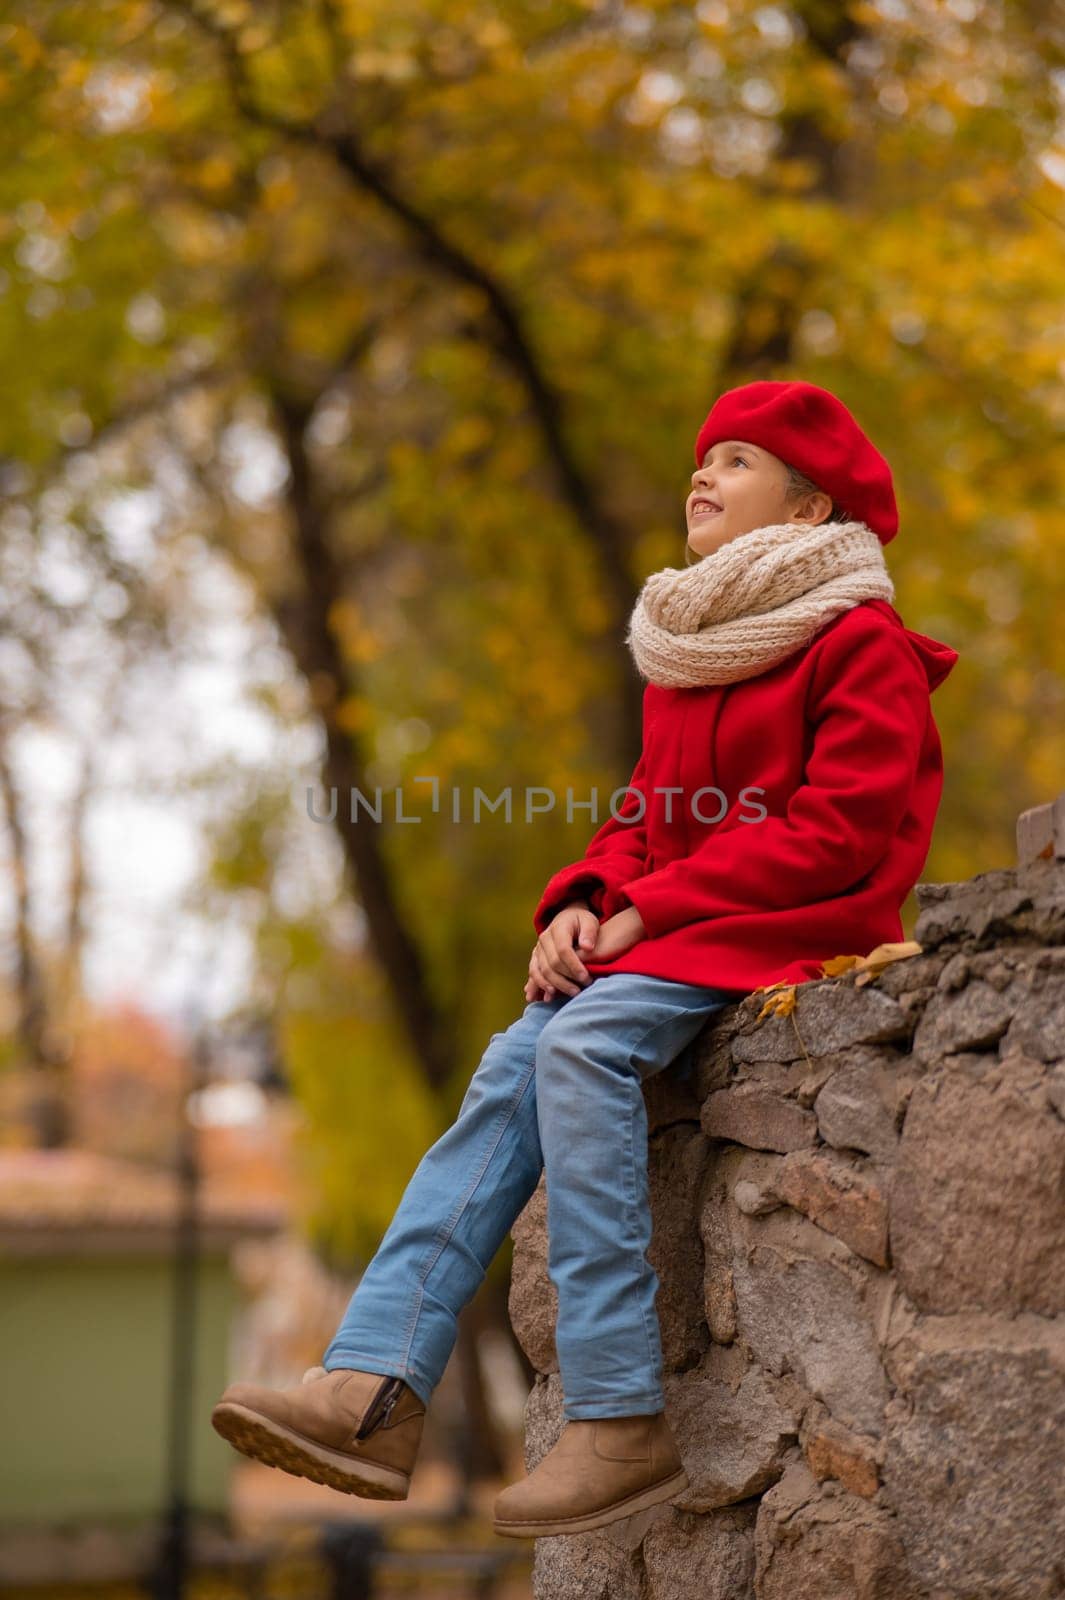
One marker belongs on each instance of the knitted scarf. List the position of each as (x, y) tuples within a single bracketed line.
[(753, 601)]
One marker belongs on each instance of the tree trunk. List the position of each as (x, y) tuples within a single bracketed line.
[(49, 1104), (429, 1027)]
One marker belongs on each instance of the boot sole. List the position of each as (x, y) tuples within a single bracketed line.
[(268, 1441), (640, 1501)]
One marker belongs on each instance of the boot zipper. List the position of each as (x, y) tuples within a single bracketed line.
[(381, 1409)]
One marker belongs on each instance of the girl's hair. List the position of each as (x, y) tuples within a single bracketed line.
[(797, 484)]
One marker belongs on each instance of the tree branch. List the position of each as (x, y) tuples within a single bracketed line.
[(609, 538), (310, 635)]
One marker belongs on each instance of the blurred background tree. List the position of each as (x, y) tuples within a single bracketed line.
[(400, 320)]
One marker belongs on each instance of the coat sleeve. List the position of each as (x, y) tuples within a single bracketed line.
[(616, 855), (869, 706)]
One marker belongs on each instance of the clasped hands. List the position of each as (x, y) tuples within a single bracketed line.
[(556, 966)]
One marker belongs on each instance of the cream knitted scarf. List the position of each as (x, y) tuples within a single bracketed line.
[(754, 601)]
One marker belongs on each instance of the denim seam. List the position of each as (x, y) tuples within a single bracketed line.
[(444, 1234)]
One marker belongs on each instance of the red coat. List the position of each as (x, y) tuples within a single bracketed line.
[(840, 748)]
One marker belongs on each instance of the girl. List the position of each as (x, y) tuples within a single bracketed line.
[(780, 813)]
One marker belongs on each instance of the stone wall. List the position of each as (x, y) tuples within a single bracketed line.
[(858, 1232)]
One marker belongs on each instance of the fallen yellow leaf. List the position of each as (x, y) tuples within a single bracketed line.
[(781, 1004), (884, 954), (838, 964), (867, 967)]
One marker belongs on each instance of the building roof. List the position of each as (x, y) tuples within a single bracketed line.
[(77, 1201)]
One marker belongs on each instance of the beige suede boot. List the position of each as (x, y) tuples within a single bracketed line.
[(355, 1431), (601, 1469)]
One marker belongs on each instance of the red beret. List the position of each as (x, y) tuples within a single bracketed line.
[(811, 429)]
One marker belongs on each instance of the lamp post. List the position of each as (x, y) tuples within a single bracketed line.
[(173, 1562)]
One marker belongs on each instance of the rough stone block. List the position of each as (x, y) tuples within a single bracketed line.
[(857, 1105), (832, 1451), (711, 1057), (719, 1300), (784, 1078), (828, 1016), (956, 973), (733, 1426), (976, 1196), (912, 972), (709, 1556), (670, 1097), (973, 1466), (813, 1544), (753, 1115), (533, 1301), (1041, 832), (544, 1419), (974, 1018), (675, 1170), (838, 1195), (1056, 1089), (980, 908), (584, 1566), (816, 1076), (806, 1317), (1037, 1027), (1000, 968), (1043, 919)]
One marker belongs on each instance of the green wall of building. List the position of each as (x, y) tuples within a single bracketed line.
[(84, 1386)]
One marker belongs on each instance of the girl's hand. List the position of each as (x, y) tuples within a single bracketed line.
[(555, 965), (618, 934)]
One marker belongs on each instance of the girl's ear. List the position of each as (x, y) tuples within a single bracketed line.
[(812, 508)]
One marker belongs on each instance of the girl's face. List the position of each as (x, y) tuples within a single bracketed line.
[(746, 489)]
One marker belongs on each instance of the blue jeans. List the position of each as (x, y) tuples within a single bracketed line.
[(560, 1091)]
